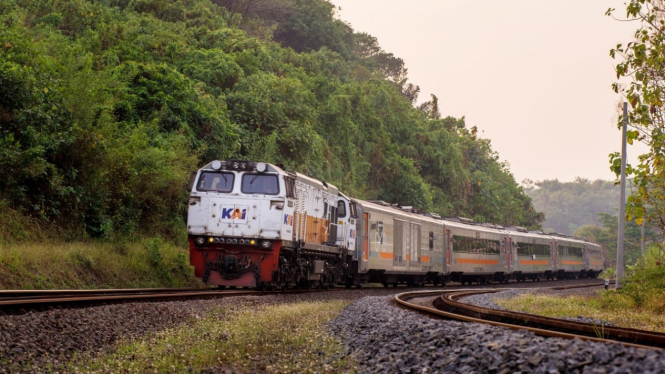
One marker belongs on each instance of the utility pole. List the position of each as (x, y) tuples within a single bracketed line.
[(622, 203), (644, 235)]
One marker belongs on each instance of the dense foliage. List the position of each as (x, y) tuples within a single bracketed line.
[(106, 106), (569, 205), (606, 234), (641, 63), (588, 209)]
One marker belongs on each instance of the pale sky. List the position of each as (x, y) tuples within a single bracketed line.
[(534, 76)]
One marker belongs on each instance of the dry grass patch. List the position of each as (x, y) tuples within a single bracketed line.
[(284, 338), (92, 264), (607, 307)]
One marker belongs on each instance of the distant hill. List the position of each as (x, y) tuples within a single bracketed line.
[(569, 205)]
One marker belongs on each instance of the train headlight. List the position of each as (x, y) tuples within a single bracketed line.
[(235, 241), (266, 244), (241, 241), (252, 242), (216, 165), (261, 167), (200, 240), (211, 239)]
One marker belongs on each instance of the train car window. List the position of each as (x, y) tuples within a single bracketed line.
[(341, 209), (210, 181), (266, 184), (529, 249), (431, 240), (570, 251), (477, 246)]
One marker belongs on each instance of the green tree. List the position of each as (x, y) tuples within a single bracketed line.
[(641, 63)]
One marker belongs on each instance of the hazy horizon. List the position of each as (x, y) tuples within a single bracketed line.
[(534, 77)]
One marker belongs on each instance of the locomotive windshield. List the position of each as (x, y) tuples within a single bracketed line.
[(215, 182), (260, 184)]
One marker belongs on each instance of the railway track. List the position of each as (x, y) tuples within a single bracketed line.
[(446, 305), (19, 301)]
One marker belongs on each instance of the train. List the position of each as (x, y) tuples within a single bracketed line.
[(255, 224)]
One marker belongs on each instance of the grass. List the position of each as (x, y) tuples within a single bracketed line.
[(607, 306), (94, 264), (284, 338)]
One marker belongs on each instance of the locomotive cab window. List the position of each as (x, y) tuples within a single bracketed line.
[(215, 182), (266, 184), (341, 209), (290, 185)]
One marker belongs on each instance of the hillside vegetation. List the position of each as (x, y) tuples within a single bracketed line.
[(107, 106), (588, 209), (569, 205)]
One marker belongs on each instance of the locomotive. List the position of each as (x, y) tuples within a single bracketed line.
[(254, 224)]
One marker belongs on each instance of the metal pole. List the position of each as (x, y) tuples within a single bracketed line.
[(644, 235), (622, 202)]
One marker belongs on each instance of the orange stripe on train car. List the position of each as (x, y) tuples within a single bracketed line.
[(424, 259), (566, 262), (477, 261), (533, 262), (386, 255)]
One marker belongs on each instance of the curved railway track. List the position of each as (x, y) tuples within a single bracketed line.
[(19, 301), (446, 305)]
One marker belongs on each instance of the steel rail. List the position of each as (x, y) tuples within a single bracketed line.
[(67, 300), (544, 326), (17, 294)]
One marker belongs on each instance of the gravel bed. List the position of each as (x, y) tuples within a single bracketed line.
[(46, 341), (489, 300), (386, 339)]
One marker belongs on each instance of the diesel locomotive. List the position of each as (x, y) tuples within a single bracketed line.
[(253, 224)]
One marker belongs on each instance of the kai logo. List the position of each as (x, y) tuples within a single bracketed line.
[(234, 213), (288, 220)]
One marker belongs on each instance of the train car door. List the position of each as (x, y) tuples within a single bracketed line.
[(365, 255), (508, 254), (400, 243), (414, 246), (555, 255), (447, 251)]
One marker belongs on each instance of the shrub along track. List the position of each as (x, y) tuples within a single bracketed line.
[(446, 305)]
